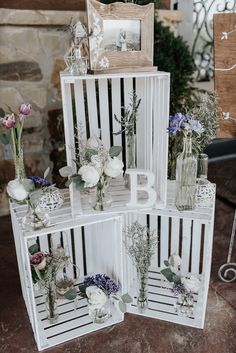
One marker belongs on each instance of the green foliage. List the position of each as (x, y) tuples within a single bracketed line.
[(5, 137), (33, 249), (172, 54), (114, 151)]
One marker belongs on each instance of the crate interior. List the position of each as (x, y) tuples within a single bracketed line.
[(91, 105), (185, 237), (93, 248)]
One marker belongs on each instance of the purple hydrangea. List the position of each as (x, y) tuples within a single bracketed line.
[(185, 122), (104, 282), (178, 288), (38, 180)]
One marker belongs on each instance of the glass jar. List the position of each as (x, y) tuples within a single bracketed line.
[(186, 173), (35, 218), (184, 305), (142, 290), (202, 166), (131, 156), (51, 304), (102, 199), (100, 315)]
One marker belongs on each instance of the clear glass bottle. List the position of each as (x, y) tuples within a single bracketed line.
[(202, 166), (186, 174), (142, 295)]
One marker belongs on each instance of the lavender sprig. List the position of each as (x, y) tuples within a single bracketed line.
[(104, 282), (38, 180)]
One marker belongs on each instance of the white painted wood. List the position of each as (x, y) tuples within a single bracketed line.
[(186, 240), (80, 106), (104, 113), (175, 235), (140, 91), (154, 228), (92, 107), (196, 247), (116, 110), (164, 240)]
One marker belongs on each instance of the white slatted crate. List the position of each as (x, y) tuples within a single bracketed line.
[(188, 234), (95, 246), (93, 100)]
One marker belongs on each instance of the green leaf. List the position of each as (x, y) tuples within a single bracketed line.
[(68, 182), (33, 249), (2, 113), (65, 171), (166, 263), (122, 307), (168, 274), (79, 183), (28, 185), (35, 196), (89, 153), (71, 294), (46, 172), (114, 151), (5, 137), (126, 298), (82, 289), (176, 279)]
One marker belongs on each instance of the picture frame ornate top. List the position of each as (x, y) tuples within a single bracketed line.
[(132, 24)]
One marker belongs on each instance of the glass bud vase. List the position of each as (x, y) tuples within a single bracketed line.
[(19, 163), (186, 173), (202, 166), (184, 305), (131, 156), (142, 290), (102, 199), (51, 304), (35, 218), (100, 315)]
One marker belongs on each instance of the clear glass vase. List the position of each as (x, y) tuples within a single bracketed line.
[(186, 173), (19, 163), (35, 218), (51, 303), (102, 199), (131, 156), (202, 166), (184, 305), (100, 315), (142, 290)]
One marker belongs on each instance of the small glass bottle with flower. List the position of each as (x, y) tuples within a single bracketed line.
[(12, 124)]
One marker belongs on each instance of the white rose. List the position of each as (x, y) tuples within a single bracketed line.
[(97, 162), (175, 262), (90, 175), (191, 284), (94, 143), (114, 167), (16, 190), (96, 297)]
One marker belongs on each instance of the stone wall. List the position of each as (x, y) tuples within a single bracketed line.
[(32, 50)]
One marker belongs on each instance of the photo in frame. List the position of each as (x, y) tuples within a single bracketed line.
[(121, 37)]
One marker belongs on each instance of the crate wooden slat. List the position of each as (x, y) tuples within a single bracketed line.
[(97, 99)]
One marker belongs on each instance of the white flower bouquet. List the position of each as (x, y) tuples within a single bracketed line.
[(96, 166)]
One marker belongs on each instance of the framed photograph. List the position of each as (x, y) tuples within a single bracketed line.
[(121, 37)]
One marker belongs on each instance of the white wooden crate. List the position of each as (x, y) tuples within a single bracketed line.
[(95, 246), (188, 234), (92, 101)]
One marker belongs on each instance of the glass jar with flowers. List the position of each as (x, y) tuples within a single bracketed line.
[(128, 126), (140, 244), (44, 269), (12, 127), (183, 287), (100, 290), (96, 167), (186, 163)]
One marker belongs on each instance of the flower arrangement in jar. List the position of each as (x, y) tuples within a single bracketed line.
[(96, 166), (99, 290), (184, 287)]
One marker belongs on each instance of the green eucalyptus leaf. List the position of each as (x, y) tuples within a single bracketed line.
[(65, 171), (168, 274), (122, 306), (5, 137), (28, 184), (33, 249), (35, 196), (68, 182), (114, 151), (126, 298), (82, 288), (38, 273), (71, 294), (166, 263), (2, 113), (46, 172), (176, 279), (89, 153)]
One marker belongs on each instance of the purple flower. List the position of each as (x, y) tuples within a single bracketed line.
[(180, 122), (9, 121), (178, 288), (25, 109), (104, 282), (38, 180)]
